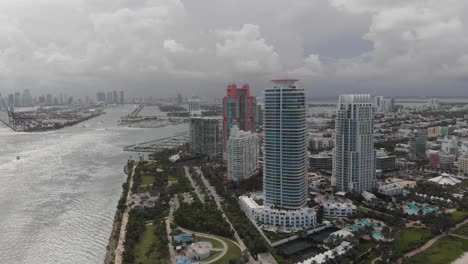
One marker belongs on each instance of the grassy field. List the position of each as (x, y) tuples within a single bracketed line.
[(273, 237), (141, 249), (459, 216), (411, 238), (171, 180), (463, 230), (234, 252), (215, 255), (363, 247), (362, 209), (147, 180), (443, 251)]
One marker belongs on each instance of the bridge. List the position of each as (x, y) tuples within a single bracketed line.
[(7, 115)]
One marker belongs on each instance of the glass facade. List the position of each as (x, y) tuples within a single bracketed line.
[(239, 109), (354, 155), (285, 146)]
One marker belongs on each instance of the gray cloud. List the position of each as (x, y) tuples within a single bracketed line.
[(162, 47)]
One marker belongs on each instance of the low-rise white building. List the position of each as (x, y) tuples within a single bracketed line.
[(392, 189), (445, 179), (267, 216), (326, 256), (368, 196), (336, 206)]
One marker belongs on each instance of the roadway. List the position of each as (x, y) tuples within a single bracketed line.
[(194, 184)]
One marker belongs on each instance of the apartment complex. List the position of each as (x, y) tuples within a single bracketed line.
[(354, 162), (205, 136), (239, 109), (242, 154), (285, 146), (417, 145)]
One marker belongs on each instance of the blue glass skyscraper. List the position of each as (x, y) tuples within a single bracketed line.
[(285, 145)]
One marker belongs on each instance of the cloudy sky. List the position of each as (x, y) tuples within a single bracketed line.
[(197, 47)]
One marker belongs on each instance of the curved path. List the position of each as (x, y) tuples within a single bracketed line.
[(432, 241), (225, 246), (374, 260)]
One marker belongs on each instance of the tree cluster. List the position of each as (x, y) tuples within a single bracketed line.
[(136, 226), (205, 218)]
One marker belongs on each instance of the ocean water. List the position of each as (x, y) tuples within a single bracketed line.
[(57, 202)]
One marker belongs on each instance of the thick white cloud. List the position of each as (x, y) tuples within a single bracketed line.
[(417, 40), (312, 66), (151, 46), (247, 50)]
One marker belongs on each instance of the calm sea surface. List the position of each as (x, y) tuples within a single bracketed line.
[(58, 201)]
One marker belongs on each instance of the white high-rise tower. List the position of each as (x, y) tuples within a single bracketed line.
[(286, 141), (354, 155)]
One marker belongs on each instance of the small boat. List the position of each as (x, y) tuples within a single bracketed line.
[(17, 157)]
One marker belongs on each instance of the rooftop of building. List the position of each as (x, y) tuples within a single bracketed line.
[(355, 99), (445, 179)]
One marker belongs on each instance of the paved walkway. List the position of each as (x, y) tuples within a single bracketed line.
[(225, 246), (123, 226), (194, 184), (457, 235), (374, 260), (168, 222), (433, 240)]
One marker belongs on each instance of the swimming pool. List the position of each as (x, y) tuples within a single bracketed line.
[(413, 208), (355, 228), (377, 235), (430, 209), (366, 223)]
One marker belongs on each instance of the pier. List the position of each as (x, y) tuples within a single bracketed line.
[(160, 144)]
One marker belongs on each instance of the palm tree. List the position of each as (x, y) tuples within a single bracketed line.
[(386, 232), (420, 213)]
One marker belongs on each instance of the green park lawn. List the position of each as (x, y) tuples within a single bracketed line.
[(463, 230), (171, 180), (146, 241), (459, 216), (445, 250), (234, 252), (276, 236), (410, 238), (213, 256), (362, 209), (146, 180)]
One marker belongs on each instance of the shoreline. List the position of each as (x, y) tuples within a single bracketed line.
[(57, 126), (116, 226)]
